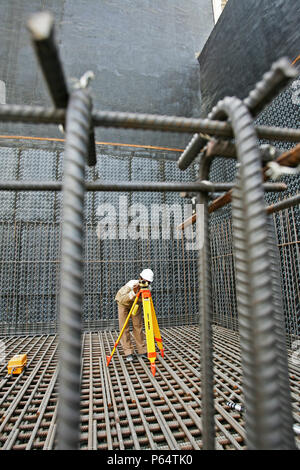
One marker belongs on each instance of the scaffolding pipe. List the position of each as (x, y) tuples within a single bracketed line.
[(278, 206), (287, 158), (271, 84), (154, 122), (284, 204), (124, 186), (221, 148)]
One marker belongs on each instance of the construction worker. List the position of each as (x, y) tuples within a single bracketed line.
[(125, 298)]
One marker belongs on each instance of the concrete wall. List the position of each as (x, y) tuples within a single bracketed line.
[(143, 53), (249, 36)]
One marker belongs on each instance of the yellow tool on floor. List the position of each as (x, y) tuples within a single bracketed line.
[(151, 325), (17, 364)]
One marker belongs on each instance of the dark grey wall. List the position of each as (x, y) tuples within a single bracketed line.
[(249, 36), (143, 53)]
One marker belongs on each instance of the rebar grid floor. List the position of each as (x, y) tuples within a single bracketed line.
[(123, 406)]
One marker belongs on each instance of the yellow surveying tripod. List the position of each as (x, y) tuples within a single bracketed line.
[(151, 325)]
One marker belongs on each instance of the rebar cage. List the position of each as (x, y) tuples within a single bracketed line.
[(30, 226), (30, 249)]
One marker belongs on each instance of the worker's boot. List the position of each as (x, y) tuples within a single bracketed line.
[(129, 358), (143, 355)]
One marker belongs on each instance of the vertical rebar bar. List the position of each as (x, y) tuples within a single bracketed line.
[(71, 292), (255, 296), (205, 317)]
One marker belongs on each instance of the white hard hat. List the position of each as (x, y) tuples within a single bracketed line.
[(147, 274)]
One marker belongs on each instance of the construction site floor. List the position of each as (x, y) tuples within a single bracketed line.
[(123, 406)]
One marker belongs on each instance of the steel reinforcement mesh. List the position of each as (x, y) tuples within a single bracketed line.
[(123, 406), (282, 112), (30, 242), (30, 234)]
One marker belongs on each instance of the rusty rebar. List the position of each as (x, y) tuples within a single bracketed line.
[(71, 291)]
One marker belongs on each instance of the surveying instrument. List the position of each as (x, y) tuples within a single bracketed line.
[(150, 321)]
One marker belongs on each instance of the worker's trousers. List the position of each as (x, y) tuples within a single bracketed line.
[(137, 330)]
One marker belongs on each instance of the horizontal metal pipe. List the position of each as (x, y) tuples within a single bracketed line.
[(226, 149), (154, 122), (31, 114), (289, 158), (157, 122), (205, 186), (219, 148), (278, 133), (285, 204)]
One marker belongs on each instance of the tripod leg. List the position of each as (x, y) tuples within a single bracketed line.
[(149, 332), (156, 331), (132, 312)]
